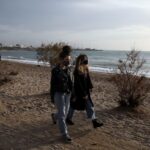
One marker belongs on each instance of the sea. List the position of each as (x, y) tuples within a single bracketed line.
[(99, 60)]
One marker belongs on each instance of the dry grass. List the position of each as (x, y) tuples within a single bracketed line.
[(132, 85), (49, 53)]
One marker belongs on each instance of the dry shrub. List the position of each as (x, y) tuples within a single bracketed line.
[(13, 73), (4, 80), (132, 85), (49, 53)]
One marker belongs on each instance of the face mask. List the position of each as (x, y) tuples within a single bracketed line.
[(85, 62), (66, 63)]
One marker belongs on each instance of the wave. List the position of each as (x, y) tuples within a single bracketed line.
[(25, 61), (101, 69), (92, 68)]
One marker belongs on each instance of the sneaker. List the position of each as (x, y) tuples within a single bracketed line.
[(67, 138), (53, 118), (69, 122), (97, 124)]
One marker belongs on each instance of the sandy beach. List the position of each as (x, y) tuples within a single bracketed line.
[(25, 114)]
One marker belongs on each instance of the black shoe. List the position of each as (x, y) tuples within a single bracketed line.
[(67, 138), (96, 124), (69, 122), (53, 118)]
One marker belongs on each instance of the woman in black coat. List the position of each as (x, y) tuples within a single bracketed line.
[(81, 99)]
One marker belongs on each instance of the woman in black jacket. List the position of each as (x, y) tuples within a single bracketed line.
[(81, 98), (61, 87)]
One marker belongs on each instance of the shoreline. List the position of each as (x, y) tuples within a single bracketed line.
[(35, 62), (98, 70)]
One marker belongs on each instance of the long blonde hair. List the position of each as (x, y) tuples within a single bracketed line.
[(80, 66)]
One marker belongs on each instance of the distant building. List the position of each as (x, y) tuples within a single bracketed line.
[(18, 46), (22, 46), (10, 46)]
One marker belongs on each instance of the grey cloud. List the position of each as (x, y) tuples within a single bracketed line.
[(65, 15), (54, 19)]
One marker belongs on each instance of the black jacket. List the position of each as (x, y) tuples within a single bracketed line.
[(82, 86), (60, 81)]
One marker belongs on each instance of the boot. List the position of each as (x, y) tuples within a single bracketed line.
[(96, 124), (69, 122), (53, 118), (67, 138)]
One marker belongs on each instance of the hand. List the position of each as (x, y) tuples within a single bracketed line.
[(73, 99), (85, 97), (52, 101)]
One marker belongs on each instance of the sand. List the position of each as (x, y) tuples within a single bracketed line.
[(25, 110)]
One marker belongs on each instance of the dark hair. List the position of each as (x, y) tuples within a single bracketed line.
[(66, 50)]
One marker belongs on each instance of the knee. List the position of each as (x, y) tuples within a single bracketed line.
[(61, 117)]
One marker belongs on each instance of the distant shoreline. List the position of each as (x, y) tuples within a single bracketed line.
[(88, 49), (14, 48), (34, 49)]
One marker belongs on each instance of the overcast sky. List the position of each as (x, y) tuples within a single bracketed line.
[(101, 24)]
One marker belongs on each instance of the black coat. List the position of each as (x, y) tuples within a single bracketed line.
[(82, 86)]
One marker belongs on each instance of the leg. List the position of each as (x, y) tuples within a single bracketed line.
[(67, 104), (90, 110), (91, 114), (70, 113), (69, 116), (60, 103)]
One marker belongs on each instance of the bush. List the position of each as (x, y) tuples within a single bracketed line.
[(132, 85), (4, 80), (13, 73), (49, 53)]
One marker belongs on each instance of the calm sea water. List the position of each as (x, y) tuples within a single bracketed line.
[(100, 61)]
